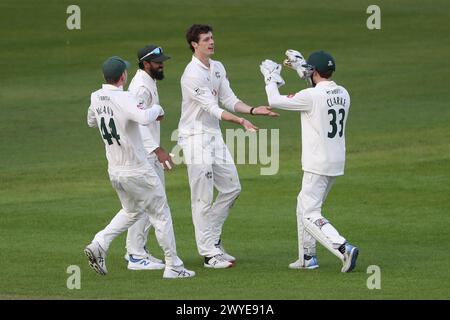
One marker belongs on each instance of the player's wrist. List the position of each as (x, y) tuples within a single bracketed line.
[(159, 151)]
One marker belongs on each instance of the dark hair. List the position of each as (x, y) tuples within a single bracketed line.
[(110, 80), (141, 65), (194, 32), (327, 74)]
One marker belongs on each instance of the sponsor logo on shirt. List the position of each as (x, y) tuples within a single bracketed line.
[(199, 91), (217, 74), (334, 91)]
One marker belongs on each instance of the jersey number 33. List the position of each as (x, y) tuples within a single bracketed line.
[(336, 122)]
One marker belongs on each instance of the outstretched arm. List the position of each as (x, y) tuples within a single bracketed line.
[(301, 101), (241, 107), (203, 96), (233, 104), (227, 116)]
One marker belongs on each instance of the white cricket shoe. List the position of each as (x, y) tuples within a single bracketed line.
[(148, 256), (226, 256), (350, 256), (177, 272), (143, 264), (217, 262), (310, 264), (97, 258)]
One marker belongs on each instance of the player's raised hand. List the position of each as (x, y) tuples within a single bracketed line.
[(271, 72), (295, 61), (264, 111)]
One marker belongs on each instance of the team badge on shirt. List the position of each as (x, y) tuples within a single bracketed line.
[(321, 222), (141, 104)]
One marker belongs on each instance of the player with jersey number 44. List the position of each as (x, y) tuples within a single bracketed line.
[(117, 115), (324, 109)]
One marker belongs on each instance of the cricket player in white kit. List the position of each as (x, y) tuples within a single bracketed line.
[(324, 111), (204, 86), (118, 115), (143, 87)]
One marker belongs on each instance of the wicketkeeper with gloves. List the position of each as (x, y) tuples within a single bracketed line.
[(324, 111)]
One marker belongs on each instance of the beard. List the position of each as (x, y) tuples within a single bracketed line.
[(157, 74)]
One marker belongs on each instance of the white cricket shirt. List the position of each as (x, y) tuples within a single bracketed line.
[(324, 112), (143, 87), (117, 114), (202, 90)]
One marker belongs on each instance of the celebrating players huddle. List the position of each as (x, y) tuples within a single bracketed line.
[(128, 122)]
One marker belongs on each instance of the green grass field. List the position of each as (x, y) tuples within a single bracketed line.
[(393, 202)]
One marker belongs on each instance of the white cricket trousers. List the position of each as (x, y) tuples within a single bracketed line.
[(209, 165), (138, 233), (141, 192), (311, 224)]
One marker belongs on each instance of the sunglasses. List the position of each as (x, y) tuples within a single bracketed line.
[(155, 52)]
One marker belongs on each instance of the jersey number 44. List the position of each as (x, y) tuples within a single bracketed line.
[(106, 134)]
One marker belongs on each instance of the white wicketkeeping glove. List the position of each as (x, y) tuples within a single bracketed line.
[(271, 72), (296, 61)]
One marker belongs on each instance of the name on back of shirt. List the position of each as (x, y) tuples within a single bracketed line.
[(331, 102), (102, 110)]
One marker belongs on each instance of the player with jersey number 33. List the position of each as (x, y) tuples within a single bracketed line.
[(324, 110)]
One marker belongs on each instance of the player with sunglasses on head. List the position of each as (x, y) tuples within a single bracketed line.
[(117, 115), (143, 86)]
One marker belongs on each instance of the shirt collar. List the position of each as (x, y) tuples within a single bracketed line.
[(111, 87), (197, 61), (326, 83), (145, 75)]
